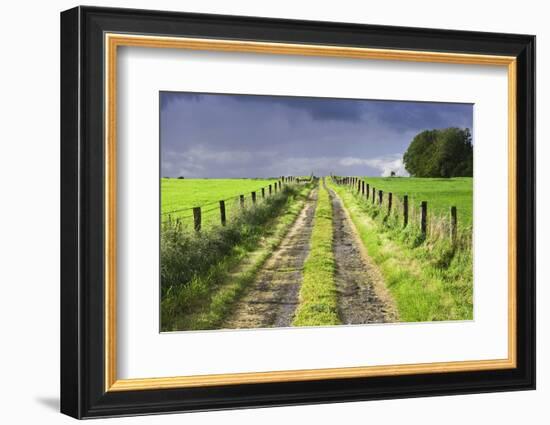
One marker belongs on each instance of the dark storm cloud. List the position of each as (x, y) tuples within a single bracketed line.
[(210, 135), (167, 98), (404, 115), (336, 109)]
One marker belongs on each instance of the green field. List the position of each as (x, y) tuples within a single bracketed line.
[(179, 195), (441, 194)]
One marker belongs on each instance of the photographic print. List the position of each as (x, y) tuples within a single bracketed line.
[(284, 211), (322, 199)]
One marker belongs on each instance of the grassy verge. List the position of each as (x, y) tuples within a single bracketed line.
[(429, 278), (318, 299), (203, 274)]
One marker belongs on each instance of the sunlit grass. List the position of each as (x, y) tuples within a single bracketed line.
[(441, 194), (179, 196), (318, 304)]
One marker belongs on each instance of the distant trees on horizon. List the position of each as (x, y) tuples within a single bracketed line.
[(440, 153)]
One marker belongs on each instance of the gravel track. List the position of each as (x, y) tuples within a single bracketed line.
[(273, 296), (358, 283)]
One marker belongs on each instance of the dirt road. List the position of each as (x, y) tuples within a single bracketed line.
[(273, 297), (362, 296)]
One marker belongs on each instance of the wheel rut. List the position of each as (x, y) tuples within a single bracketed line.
[(362, 297), (272, 298)]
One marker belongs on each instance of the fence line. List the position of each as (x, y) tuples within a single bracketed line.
[(402, 209), (226, 207)]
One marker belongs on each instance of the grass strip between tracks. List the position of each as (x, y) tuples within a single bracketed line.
[(318, 298)]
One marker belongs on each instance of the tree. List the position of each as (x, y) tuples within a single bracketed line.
[(440, 153)]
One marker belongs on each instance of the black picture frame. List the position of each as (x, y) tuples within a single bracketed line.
[(82, 206)]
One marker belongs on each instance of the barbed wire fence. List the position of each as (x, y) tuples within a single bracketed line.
[(221, 211), (407, 211)]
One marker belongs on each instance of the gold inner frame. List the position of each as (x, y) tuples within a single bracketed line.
[(113, 41)]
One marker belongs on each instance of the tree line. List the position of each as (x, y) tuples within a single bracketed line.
[(440, 153)]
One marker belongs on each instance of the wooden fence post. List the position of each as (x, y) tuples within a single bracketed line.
[(453, 225), (380, 197), (358, 186), (253, 197), (368, 190), (363, 187), (373, 194), (275, 187), (280, 185), (241, 200), (390, 196), (269, 190), (263, 192), (222, 212), (424, 217), (197, 218), (405, 210)]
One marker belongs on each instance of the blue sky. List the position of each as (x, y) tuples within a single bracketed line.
[(230, 136)]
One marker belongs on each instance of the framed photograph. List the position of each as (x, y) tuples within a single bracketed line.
[(261, 212)]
